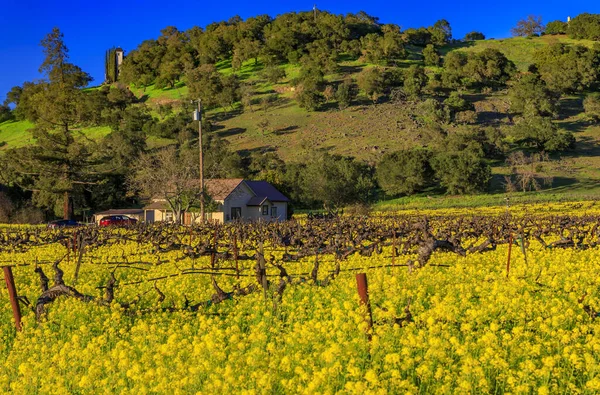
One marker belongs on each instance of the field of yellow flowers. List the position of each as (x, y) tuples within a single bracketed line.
[(457, 325)]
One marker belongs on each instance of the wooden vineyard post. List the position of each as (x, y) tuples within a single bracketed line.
[(74, 242), (510, 241), (363, 291), (214, 251), (262, 268), (81, 248), (12, 293)]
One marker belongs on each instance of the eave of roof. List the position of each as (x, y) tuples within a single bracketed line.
[(257, 201), (264, 188), (124, 211), (158, 206)]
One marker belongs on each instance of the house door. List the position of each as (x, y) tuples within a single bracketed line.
[(274, 212), (236, 213)]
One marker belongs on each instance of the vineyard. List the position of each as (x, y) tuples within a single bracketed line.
[(498, 300)]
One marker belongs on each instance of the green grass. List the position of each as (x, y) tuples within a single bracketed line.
[(94, 133), (367, 131), (151, 93), (154, 142), (249, 71), (580, 192), (15, 134), (518, 49)]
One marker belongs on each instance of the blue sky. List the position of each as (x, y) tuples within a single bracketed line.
[(90, 27)]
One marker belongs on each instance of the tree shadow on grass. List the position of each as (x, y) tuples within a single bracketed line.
[(345, 69), (570, 107), (455, 45), (476, 97), (560, 182), (286, 130), (492, 117), (282, 102), (231, 132), (329, 106), (226, 115), (261, 150), (574, 126), (585, 146)]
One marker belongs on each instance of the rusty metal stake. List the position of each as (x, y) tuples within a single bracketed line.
[(363, 291), (235, 255), (394, 250), (12, 293), (510, 242)]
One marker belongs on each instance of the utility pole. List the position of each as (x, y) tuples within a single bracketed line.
[(198, 117), (315, 12)]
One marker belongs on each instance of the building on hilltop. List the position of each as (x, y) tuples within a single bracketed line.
[(120, 54), (112, 64)]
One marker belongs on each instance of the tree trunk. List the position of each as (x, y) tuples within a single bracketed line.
[(67, 206)]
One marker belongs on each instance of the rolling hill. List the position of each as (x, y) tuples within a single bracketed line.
[(365, 130)]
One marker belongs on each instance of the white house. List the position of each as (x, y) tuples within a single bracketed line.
[(236, 199)]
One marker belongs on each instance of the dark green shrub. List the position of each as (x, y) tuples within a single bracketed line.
[(405, 172), (461, 172)]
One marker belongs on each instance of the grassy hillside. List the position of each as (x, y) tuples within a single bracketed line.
[(518, 49), (356, 122), (15, 134), (364, 130)]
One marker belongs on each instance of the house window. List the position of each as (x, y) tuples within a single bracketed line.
[(265, 209), (274, 212), (169, 216), (236, 213)]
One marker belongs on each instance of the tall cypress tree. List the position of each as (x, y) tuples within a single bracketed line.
[(58, 166), (110, 65), (106, 72)]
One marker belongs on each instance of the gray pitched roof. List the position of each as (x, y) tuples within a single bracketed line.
[(266, 190)]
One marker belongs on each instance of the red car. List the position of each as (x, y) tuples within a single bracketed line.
[(117, 220)]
